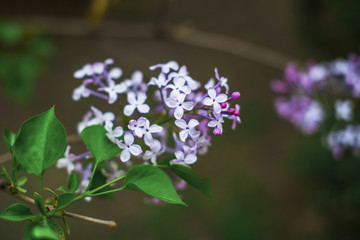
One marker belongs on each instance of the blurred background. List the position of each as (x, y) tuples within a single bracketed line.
[(268, 180)]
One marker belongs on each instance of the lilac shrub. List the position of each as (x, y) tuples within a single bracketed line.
[(148, 144), (321, 93)]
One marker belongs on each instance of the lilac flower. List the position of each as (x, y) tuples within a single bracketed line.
[(101, 118), (166, 67), (149, 130), (113, 90), (67, 161), (113, 134), (79, 92), (137, 126), (344, 110), (214, 100), (188, 128), (222, 81), (236, 119), (161, 81), (155, 150), (217, 123), (128, 147), (136, 102), (183, 159), (178, 87), (183, 73), (179, 105)]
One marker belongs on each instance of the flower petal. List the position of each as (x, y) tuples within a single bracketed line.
[(143, 108), (179, 112), (190, 159), (181, 123), (188, 105), (183, 135), (129, 109), (135, 149), (179, 155), (192, 123), (128, 138), (212, 93), (221, 98), (115, 73), (208, 101), (125, 155)]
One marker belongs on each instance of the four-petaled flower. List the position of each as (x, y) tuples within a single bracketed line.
[(79, 92), (113, 134), (166, 67), (149, 130), (188, 128), (179, 105), (178, 87), (215, 100), (155, 150), (183, 159), (136, 102), (113, 90), (128, 147), (67, 161)]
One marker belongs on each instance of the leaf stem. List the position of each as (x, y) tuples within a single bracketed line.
[(5, 187), (106, 184)]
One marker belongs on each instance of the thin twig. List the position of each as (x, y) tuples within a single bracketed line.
[(5, 187)]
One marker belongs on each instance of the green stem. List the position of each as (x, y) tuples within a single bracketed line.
[(106, 192), (42, 189), (106, 184), (92, 176)]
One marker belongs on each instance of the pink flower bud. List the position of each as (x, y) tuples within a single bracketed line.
[(235, 95), (237, 113), (216, 131), (223, 105), (231, 111)]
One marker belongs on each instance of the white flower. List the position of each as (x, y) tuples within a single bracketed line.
[(222, 80), (166, 67), (182, 159), (178, 86), (317, 73), (149, 130), (188, 128), (160, 82), (202, 143), (113, 90), (344, 110), (79, 92), (136, 102), (154, 152), (137, 126), (209, 84), (179, 105), (67, 161), (101, 118), (217, 122), (113, 134), (183, 73), (115, 73), (128, 147), (86, 70), (215, 100)]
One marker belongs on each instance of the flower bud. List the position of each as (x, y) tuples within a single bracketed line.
[(216, 131), (237, 113), (231, 111), (235, 95), (223, 105)]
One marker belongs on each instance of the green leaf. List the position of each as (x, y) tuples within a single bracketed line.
[(73, 182), (62, 189), (9, 139), (27, 235), (40, 143), (17, 212), (56, 229), (41, 231), (66, 226), (192, 178), (98, 143), (21, 181), (64, 199), (153, 181), (39, 203)]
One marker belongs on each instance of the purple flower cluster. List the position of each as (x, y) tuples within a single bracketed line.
[(177, 123), (322, 92)]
